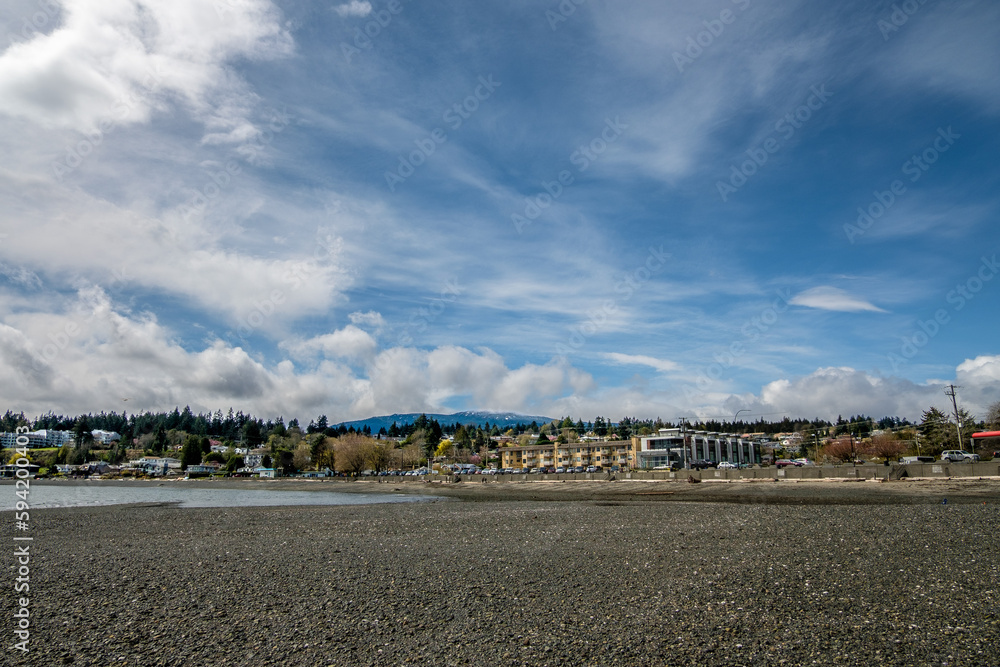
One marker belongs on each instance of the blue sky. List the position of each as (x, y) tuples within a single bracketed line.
[(645, 209)]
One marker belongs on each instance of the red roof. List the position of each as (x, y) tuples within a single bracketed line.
[(987, 434)]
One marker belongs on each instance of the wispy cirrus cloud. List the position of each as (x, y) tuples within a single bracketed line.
[(662, 365)]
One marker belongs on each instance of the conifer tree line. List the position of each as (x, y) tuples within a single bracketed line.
[(291, 445), (251, 430)]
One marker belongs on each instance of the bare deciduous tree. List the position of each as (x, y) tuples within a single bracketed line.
[(351, 452), (380, 454), (886, 446), (993, 417), (302, 457), (839, 449)]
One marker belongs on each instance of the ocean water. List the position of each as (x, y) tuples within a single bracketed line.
[(42, 496)]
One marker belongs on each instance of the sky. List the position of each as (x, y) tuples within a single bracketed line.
[(648, 209)]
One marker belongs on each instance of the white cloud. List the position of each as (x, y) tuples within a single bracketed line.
[(348, 343), (832, 298), (829, 392), (370, 319), (117, 61), (356, 8), (91, 356), (94, 238), (662, 365)]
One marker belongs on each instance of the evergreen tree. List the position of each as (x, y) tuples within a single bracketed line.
[(937, 431), (81, 432), (191, 453), (160, 439), (252, 434)]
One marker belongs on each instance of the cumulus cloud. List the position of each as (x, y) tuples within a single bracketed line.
[(117, 62), (349, 343), (354, 8), (829, 392), (833, 298), (92, 355)]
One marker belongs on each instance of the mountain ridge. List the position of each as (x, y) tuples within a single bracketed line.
[(466, 418)]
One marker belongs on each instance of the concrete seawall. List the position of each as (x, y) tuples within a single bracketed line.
[(940, 470)]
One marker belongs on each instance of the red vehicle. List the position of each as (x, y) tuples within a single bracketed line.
[(784, 463)]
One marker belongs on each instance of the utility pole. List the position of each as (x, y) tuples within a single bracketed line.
[(685, 441), (950, 391)]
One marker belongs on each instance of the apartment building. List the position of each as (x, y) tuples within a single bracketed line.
[(678, 447), (40, 438), (606, 454)]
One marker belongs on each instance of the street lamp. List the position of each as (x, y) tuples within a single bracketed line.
[(737, 441)]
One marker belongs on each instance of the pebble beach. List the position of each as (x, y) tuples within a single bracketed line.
[(598, 574)]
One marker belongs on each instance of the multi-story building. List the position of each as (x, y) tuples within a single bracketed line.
[(606, 454), (254, 458), (105, 437), (36, 439), (679, 447), (156, 465)]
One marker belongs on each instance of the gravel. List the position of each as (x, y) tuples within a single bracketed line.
[(628, 581)]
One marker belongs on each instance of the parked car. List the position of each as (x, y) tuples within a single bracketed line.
[(785, 463), (802, 462), (726, 465), (959, 456), (591, 468), (701, 464), (578, 469), (916, 459), (560, 470)]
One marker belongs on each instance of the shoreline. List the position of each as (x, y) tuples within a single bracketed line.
[(760, 491)]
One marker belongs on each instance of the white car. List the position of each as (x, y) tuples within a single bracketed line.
[(726, 465), (959, 456)]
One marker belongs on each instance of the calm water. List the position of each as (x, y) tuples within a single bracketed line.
[(58, 495)]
